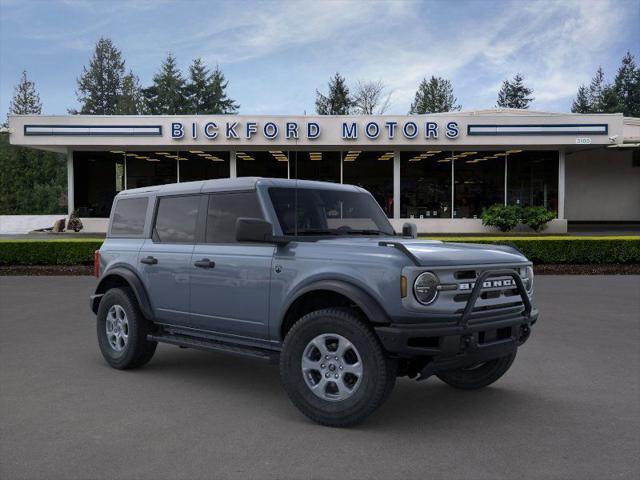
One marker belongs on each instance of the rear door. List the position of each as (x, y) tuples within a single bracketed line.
[(165, 258), (230, 281)]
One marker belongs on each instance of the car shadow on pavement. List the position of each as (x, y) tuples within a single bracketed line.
[(412, 403)]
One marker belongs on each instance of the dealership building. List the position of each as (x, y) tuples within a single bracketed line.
[(439, 171)]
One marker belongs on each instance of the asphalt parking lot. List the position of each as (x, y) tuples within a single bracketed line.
[(569, 408)]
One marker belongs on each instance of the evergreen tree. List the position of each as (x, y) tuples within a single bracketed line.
[(514, 94), (433, 96), (130, 101), (338, 101), (581, 104), (218, 100), (25, 99), (627, 86), (206, 92), (596, 91), (167, 95), (100, 85)]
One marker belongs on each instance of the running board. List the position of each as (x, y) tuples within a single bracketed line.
[(215, 346)]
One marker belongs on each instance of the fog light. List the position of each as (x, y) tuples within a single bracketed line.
[(425, 288)]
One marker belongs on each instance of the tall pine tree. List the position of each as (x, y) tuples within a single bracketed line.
[(167, 95), (582, 103), (514, 94), (206, 92), (100, 85), (130, 101), (25, 99), (627, 86), (433, 96), (338, 100)]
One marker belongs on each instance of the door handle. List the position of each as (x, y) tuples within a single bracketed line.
[(149, 260), (205, 263)]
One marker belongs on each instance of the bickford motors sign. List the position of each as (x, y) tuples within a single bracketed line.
[(294, 130)]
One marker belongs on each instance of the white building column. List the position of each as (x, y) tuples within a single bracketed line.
[(233, 172), (70, 183), (561, 183), (396, 184)]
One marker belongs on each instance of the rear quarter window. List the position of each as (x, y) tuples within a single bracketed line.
[(128, 216)]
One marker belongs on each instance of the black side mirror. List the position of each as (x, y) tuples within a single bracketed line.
[(254, 230), (410, 230)]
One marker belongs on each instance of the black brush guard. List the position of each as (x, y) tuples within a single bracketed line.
[(458, 345)]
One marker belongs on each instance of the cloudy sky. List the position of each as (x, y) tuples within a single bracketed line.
[(275, 54)]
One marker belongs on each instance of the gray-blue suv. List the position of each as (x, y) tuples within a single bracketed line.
[(310, 275)]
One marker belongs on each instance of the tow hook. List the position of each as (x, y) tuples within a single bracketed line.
[(525, 331)]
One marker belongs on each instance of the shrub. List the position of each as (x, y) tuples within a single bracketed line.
[(537, 217), (505, 218), (48, 252)]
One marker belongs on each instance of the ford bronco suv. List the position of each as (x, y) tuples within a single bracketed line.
[(310, 275)]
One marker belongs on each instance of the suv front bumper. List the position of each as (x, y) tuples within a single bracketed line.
[(474, 337)]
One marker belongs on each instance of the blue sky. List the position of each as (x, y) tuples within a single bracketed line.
[(275, 54)]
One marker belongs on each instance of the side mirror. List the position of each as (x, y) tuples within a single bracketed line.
[(410, 230)]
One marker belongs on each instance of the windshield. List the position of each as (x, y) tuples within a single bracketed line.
[(307, 211)]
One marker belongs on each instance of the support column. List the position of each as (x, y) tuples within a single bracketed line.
[(561, 178), (396, 184), (233, 172), (71, 204)]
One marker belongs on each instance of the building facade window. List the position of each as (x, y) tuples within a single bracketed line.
[(322, 166), (532, 179), (270, 164), (478, 182), (373, 171), (425, 184), (196, 165), (98, 177)]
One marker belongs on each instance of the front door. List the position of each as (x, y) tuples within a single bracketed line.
[(230, 281), (165, 259)]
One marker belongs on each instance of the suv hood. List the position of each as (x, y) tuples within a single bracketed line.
[(437, 253)]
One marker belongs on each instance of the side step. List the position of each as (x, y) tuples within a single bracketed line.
[(216, 346)]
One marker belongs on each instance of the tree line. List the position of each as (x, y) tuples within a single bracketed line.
[(34, 182)]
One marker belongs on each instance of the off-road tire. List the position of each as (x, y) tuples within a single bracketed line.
[(479, 377), (138, 350), (379, 371)]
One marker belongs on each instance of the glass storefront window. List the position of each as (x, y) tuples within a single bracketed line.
[(98, 177), (272, 164), (532, 179), (425, 184), (145, 169), (372, 171), (202, 165), (478, 182), (323, 166)]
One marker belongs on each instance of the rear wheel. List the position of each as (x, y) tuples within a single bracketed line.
[(478, 376), (122, 330), (334, 369)]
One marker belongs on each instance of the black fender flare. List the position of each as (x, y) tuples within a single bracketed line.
[(132, 280), (363, 300)]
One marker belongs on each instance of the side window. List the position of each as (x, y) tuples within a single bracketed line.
[(129, 215), (224, 210), (176, 219)]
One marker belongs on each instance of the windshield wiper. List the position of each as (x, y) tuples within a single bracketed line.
[(365, 232)]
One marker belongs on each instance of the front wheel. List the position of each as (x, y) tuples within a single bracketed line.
[(334, 369), (478, 376)]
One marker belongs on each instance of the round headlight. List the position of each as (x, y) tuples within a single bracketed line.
[(425, 288), (529, 282)]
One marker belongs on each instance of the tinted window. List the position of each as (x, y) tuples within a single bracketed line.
[(176, 219), (129, 215), (308, 211), (224, 210)]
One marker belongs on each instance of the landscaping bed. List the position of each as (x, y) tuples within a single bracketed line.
[(550, 254)]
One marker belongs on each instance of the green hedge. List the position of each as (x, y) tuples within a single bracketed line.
[(569, 250), (550, 249), (48, 252)]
